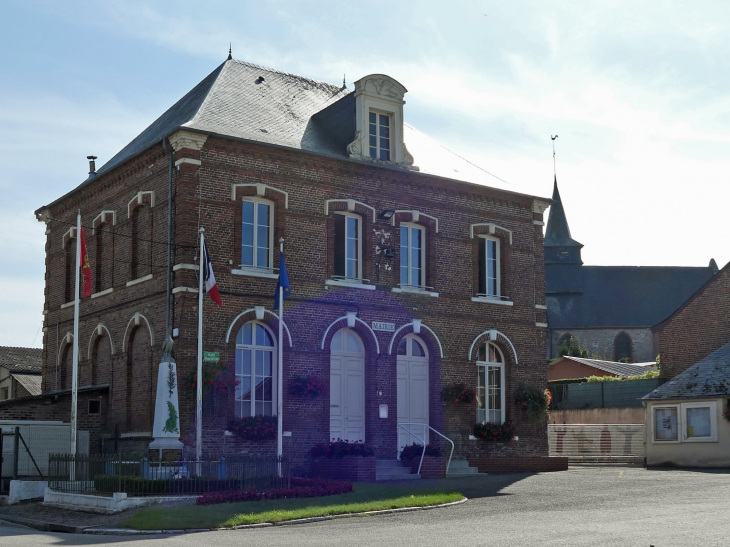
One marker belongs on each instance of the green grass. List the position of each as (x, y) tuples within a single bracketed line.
[(365, 497)]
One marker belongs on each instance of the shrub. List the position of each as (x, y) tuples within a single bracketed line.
[(299, 488), (415, 450), (533, 399), (308, 387), (572, 348), (495, 432), (340, 449), (458, 394), (255, 428), (136, 486), (649, 374)]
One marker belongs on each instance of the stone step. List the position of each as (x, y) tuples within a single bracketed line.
[(459, 464), (396, 477), (387, 464)]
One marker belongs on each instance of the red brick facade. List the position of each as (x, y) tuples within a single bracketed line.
[(699, 327), (121, 331)]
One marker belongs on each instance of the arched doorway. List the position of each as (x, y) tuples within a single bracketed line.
[(347, 386), (412, 364)]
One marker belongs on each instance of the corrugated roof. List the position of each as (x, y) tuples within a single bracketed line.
[(31, 382), (21, 359), (708, 377), (612, 367)]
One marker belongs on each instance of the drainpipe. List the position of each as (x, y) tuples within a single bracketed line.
[(166, 146)]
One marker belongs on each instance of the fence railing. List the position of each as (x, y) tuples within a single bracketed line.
[(105, 475), (625, 393), (596, 440)]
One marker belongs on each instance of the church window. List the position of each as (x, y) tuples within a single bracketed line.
[(622, 347)]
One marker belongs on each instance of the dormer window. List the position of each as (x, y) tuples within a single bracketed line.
[(379, 136)]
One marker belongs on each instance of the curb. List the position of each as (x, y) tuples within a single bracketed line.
[(133, 532), (42, 525)]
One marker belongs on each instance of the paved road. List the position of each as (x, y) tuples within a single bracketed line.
[(588, 506)]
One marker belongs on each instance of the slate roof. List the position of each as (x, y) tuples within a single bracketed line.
[(612, 367), (21, 359), (557, 232), (618, 296), (708, 377), (247, 101), (31, 382)]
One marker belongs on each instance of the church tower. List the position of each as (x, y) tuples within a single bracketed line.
[(560, 248)]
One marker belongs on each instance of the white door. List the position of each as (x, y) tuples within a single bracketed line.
[(412, 390), (347, 387)]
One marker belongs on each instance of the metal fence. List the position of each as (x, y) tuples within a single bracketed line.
[(605, 440), (611, 394), (105, 475)]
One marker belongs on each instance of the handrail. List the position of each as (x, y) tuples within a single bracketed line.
[(402, 425)]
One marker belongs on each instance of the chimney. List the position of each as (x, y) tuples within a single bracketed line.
[(92, 166)]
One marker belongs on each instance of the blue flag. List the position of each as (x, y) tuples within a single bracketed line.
[(283, 281)]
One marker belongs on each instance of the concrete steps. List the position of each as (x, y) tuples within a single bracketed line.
[(392, 470), (460, 468)]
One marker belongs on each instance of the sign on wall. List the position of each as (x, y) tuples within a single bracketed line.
[(211, 356), (386, 327)]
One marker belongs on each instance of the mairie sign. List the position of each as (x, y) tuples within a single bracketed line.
[(211, 356), (387, 327)]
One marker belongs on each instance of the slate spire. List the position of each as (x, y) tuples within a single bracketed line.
[(557, 232)]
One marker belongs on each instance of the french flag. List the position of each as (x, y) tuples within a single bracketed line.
[(211, 287)]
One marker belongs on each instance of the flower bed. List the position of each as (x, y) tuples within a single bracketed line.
[(299, 488), (458, 394), (307, 387), (255, 428), (495, 432)]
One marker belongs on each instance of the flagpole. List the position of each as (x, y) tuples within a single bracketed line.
[(280, 369), (199, 395), (75, 370)]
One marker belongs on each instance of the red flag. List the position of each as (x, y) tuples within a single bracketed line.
[(85, 267)]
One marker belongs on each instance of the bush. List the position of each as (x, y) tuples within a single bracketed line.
[(137, 486), (458, 394), (495, 432), (340, 449), (299, 488), (572, 349), (309, 387), (645, 376), (415, 450), (255, 428)]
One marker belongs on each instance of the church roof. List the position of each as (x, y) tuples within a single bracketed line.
[(708, 377), (618, 296), (557, 233), (250, 102)]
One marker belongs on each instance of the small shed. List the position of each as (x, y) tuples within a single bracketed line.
[(568, 368), (687, 417)]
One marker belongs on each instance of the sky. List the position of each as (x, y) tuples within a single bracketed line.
[(637, 92)]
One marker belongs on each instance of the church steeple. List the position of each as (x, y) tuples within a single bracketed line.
[(560, 248)]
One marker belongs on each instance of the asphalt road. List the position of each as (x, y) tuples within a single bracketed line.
[(584, 506)]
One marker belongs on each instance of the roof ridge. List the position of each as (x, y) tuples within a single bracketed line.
[(275, 71)]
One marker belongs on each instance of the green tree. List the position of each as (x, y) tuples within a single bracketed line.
[(572, 349)]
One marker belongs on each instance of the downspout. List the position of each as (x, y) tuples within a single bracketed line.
[(167, 148)]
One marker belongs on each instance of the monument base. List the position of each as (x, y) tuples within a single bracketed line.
[(166, 444)]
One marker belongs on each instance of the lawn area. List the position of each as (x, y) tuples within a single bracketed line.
[(364, 497)]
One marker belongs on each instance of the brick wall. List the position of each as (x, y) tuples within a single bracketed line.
[(121, 332), (699, 327)]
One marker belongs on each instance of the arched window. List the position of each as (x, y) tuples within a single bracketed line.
[(622, 347), (490, 384), (255, 371), (416, 349)]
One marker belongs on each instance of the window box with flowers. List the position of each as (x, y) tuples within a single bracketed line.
[(534, 400), (458, 394), (343, 460), (307, 387), (433, 461), (254, 428), (492, 432)]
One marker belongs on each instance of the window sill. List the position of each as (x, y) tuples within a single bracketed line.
[(102, 293), (139, 280), (184, 289), (415, 290), (354, 284), (700, 440), (492, 301), (67, 304), (256, 273)]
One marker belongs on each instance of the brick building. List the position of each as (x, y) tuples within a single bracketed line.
[(610, 309), (404, 280)]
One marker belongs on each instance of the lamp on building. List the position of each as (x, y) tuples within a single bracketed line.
[(387, 214)]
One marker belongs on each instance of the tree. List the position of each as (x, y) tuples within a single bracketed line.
[(572, 349)]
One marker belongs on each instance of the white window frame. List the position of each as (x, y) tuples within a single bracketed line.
[(498, 271), (712, 405), (274, 368), (682, 422), (390, 116), (485, 365), (256, 201), (422, 229), (359, 278)]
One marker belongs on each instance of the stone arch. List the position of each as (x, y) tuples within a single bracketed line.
[(134, 322), (258, 313), (416, 327), (98, 331), (351, 321), (100, 354), (493, 336), (65, 359)]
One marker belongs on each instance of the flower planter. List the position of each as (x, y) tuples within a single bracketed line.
[(348, 468), (432, 468)]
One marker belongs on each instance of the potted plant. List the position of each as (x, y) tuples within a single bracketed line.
[(254, 428), (458, 394), (433, 461), (344, 460), (490, 432), (534, 400), (307, 387)]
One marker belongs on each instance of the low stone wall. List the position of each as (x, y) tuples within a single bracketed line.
[(519, 464), (106, 505), (26, 490), (349, 468)]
